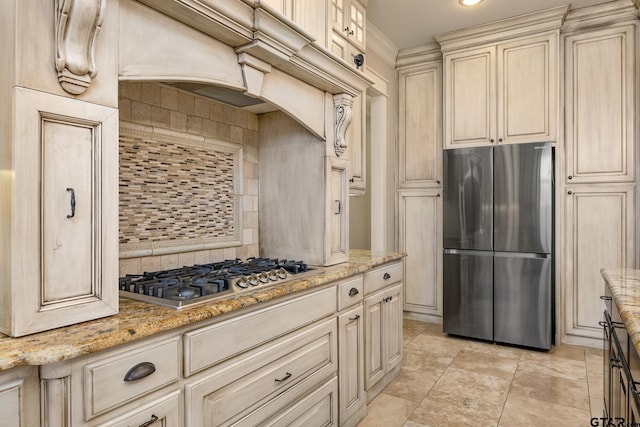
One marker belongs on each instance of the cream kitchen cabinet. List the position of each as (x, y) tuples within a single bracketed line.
[(19, 397), (353, 400), (601, 92), (310, 15), (348, 20), (420, 237), (61, 232), (502, 93), (599, 233), (420, 125), (383, 326), (357, 146)]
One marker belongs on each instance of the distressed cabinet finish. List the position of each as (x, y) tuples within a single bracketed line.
[(599, 233), (64, 254), (348, 29), (357, 146), (504, 93), (601, 93), (420, 231), (420, 125), (383, 326), (19, 397), (353, 400)]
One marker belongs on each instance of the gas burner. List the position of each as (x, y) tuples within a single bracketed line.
[(200, 283)]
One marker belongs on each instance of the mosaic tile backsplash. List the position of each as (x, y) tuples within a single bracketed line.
[(188, 179), (175, 190)]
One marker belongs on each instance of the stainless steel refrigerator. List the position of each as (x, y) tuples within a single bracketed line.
[(498, 241)]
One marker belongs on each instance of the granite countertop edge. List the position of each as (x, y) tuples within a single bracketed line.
[(136, 320), (624, 284)]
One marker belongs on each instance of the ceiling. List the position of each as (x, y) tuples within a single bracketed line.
[(409, 23)]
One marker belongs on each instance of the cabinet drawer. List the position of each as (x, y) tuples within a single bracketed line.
[(104, 379), (164, 412), (204, 347), (350, 292), (320, 408), (240, 386), (382, 277)]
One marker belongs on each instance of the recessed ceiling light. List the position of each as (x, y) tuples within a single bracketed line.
[(469, 2)]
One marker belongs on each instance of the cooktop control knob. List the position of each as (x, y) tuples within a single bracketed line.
[(263, 277), (242, 282), (282, 273), (253, 280)]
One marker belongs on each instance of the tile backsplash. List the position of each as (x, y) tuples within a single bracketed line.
[(188, 179)]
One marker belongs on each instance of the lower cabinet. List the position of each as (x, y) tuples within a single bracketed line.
[(621, 371), (353, 401), (310, 360), (383, 337), (19, 397)]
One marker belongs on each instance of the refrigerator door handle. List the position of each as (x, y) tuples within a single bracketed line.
[(467, 252), (521, 255)]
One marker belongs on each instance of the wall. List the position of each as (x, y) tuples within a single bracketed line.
[(187, 114)]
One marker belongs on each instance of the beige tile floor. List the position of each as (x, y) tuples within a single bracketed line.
[(447, 381)]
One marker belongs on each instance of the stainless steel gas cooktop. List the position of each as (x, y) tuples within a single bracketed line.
[(188, 286)]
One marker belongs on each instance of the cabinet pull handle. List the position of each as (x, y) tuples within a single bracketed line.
[(151, 421), (352, 180), (73, 202), (351, 319), (492, 140), (286, 377), (437, 181), (353, 291), (605, 298), (141, 370), (338, 207), (499, 139), (602, 323), (569, 192), (438, 195), (386, 276), (570, 177), (346, 29)]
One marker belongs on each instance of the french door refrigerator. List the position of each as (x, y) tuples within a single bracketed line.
[(498, 240)]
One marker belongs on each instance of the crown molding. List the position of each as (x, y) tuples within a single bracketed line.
[(418, 55), (380, 44), (601, 14)]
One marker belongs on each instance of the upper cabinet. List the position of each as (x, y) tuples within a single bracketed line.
[(600, 104), (310, 15), (420, 128), (348, 30), (501, 87)]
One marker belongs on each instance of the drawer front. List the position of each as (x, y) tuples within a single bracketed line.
[(104, 380), (203, 348), (237, 387), (320, 408), (382, 277), (350, 292), (164, 412)]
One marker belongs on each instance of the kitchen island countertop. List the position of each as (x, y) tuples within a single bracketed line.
[(625, 291), (137, 320)]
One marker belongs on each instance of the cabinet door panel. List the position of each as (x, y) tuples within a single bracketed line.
[(374, 358), (393, 328), (599, 234), (351, 353), (421, 238), (527, 90), (67, 211), (420, 128), (470, 98), (600, 105), (337, 213)]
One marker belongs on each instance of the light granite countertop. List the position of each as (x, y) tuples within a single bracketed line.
[(137, 320), (625, 291)]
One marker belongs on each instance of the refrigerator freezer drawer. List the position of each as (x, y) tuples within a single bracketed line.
[(522, 299), (468, 293)]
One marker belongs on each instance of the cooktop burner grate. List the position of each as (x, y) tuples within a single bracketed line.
[(196, 284)]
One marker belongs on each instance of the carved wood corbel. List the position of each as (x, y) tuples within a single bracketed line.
[(343, 105), (78, 23)]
